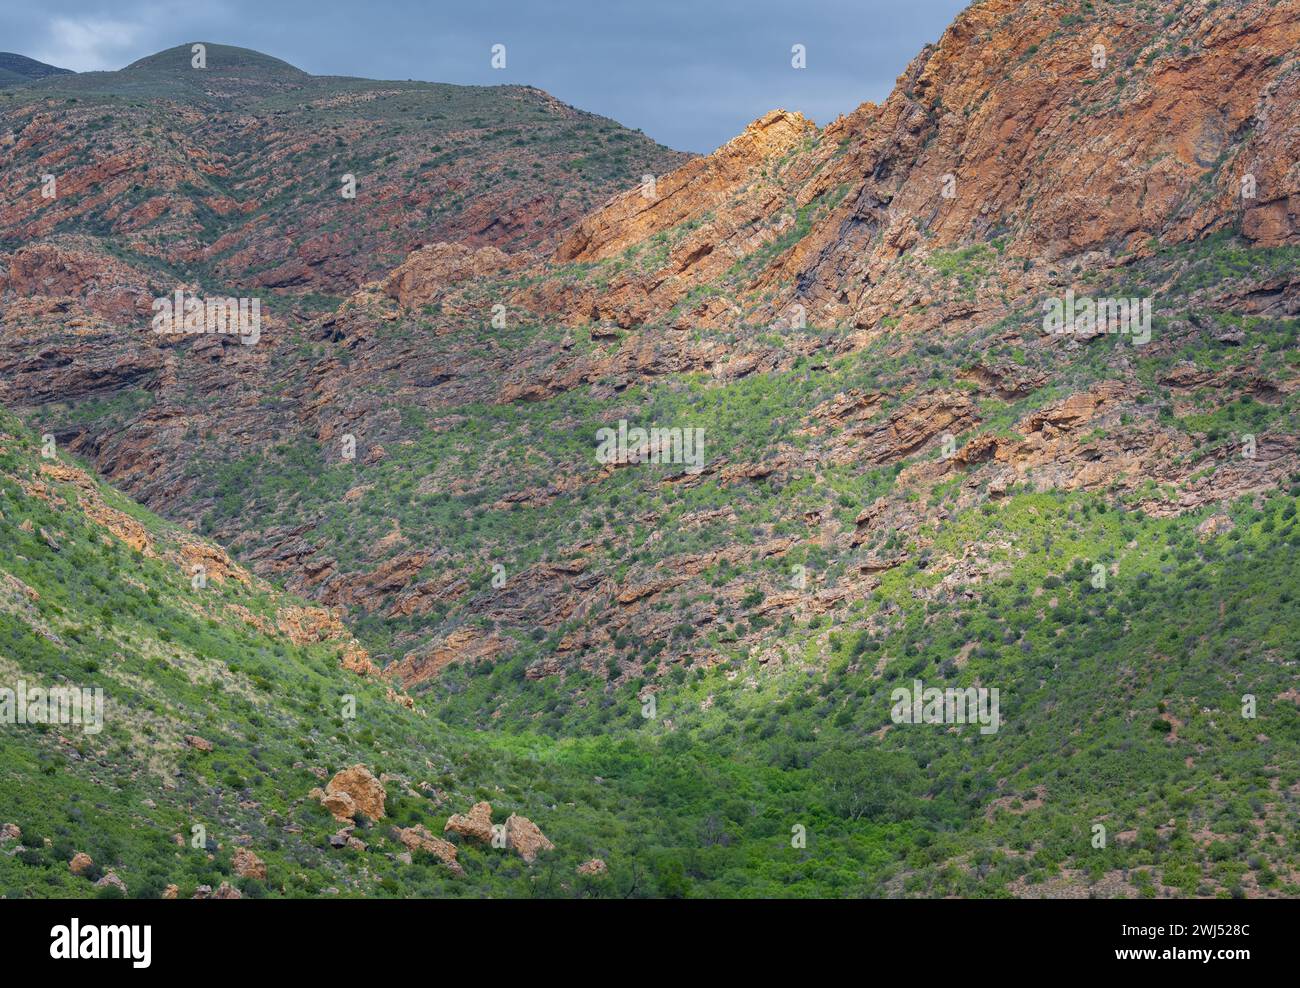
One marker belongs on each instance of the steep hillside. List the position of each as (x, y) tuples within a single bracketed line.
[(1074, 138), (892, 466), (227, 706), (710, 304), (231, 176)]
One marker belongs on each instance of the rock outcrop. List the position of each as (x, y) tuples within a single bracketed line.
[(418, 838), (111, 879), (526, 838), (355, 791), (224, 891), (475, 825), (428, 274), (248, 865)]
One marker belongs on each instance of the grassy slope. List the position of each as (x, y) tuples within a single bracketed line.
[(1089, 678), (173, 663)]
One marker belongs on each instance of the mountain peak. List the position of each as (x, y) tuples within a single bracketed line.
[(226, 60), (16, 69)]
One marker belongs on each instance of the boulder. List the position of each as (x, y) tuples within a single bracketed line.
[(249, 865), (476, 824), (418, 838), (526, 838), (225, 891), (80, 863), (360, 787), (110, 879)]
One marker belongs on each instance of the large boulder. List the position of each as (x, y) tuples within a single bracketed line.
[(526, 838), (355, 790), (476, 824)]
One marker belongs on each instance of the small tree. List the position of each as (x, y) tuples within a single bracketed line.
[(872, 784)]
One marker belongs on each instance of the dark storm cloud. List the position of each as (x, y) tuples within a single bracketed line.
[(690, 73)]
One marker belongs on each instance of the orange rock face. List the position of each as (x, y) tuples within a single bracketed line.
[(429, 273), (307, 625), (462, 645), (120, 524), (696, 187), (217, 566), (939, 164)]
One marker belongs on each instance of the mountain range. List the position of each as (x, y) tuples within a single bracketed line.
[(624, 490)]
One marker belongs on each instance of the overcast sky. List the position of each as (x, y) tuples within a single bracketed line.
[(690, 73)]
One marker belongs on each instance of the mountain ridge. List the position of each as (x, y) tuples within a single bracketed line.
[(18, 69), (908, 476), (183, 168)]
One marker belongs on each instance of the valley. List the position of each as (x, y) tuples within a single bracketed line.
[(884, 450)]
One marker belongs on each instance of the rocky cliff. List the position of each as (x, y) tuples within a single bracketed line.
[(1028, 153)]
